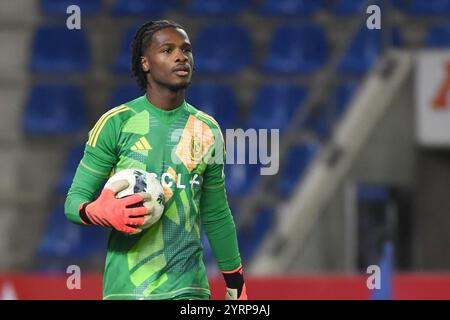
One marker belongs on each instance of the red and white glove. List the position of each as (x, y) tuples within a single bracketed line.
[(121, 214), (236, 289)]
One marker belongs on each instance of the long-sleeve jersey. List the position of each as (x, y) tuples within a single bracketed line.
[(182, 147)]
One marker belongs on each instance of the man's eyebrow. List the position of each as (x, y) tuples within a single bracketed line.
[(171, 44)]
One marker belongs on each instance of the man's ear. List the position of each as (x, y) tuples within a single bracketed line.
[(145, 64)]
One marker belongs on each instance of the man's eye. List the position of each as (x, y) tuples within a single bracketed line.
[(187, 50), (167, 50)]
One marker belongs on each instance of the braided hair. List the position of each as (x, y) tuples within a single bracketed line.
[(141, 41)]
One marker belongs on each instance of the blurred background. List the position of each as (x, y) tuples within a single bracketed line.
[(364, 138)]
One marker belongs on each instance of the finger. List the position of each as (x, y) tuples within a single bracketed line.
[(136, 212), (118, 186), (136, 221), (146, 196), (232, 294), (130, 230), (150, 206), (133, 199)]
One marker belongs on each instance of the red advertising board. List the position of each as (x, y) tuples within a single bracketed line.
[(405, 286)]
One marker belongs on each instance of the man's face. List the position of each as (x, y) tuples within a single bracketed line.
[(168, 59)]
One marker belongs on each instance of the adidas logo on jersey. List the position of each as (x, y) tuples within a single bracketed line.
[(141, 144)]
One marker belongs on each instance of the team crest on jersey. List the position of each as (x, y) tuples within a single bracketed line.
[(196, 139), (196, 149)]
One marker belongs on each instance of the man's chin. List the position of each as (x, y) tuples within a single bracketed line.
[(179, 86)]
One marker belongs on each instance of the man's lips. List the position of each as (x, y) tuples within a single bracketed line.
[(182, 70)]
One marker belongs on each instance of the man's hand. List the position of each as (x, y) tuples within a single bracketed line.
[(120, 214), (236, 289)]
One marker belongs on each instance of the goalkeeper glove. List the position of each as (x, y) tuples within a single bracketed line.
[(236, 289), (121, 214)]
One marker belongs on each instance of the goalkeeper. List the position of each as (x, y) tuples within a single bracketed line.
[(161, 133)]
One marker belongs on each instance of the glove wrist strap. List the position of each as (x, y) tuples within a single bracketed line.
[(234, 280), (83, 215)]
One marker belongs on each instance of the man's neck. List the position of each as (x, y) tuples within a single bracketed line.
[(164, 98)]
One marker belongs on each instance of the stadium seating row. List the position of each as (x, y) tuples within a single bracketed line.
[(227, 49), (53, 109), (156, 8), (285, 8), (219, 49)]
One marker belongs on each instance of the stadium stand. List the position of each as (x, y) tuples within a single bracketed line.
[(274, 105), (225, 110), (296, 49), (52, 55), (223, 49), (216, 7), (59, 7), (290, 7), (70, 166), (55, 109), (295, 165), (142, 8), (272, 67)]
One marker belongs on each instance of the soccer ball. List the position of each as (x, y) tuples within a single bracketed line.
[(142, 181)]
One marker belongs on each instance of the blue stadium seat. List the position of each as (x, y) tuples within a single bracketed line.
[(349, 7), (153, 8), (122, 63), (59, 7), (396, 37), (429, 7), (217, 7), (251, 236), (222, 49), (320, 121), (217, 100), (362, 53), (438, 36), (54, 109), (70, 166), (124, 93), (398, 4), (291, 7), (56, 49), (296, 49), (344, 93), (64, 239), (295, 165), (241, 178), (274, 106)]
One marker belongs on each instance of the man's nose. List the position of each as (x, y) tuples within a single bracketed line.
[(181, 56)]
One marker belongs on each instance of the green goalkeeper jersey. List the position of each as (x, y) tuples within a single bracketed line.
[(182, 147)]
